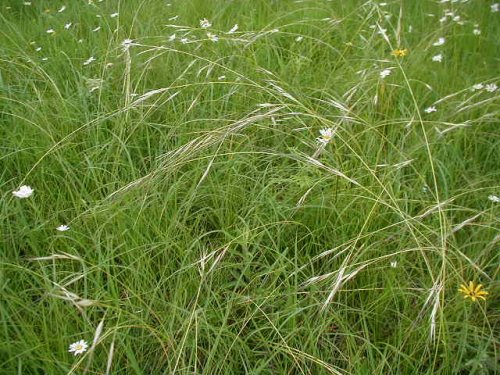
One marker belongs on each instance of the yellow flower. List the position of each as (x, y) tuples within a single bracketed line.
[(473, 291), (398, 52)]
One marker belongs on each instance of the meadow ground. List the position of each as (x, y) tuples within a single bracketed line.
[(249, 186)]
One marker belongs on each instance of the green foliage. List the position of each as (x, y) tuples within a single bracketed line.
[(209, 231)]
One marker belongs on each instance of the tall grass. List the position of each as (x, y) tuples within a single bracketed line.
[(210, 231)]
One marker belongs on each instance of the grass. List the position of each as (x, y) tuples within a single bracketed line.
[(209, 231)]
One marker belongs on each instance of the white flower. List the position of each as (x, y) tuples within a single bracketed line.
[(50, 31), (78, 347), (38, 49), (326, 135), (456, 18), (24, 191), (171, 38), (184, 40), (476, 32), (299, 39), (491, 87), (62, 9), (126, 44), (437, 58), (62, 228), (68, 25), (90, 60), (384, 73), (27, 3), (477, 86), (394, 263), (439, 42), (221, 78), (494, 198), (494, 7), (430, 109), (205, 24), (212, 37), (113, 15), (233, 29)]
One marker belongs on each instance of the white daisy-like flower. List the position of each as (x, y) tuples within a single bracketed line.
[(126, 44), (24, 191), (491, 87), (78, 347), (50, 31), (90, 60), (394, 263), (62, 228), (233, 29), (326, 135), (494, 7), (437, 58), (430, 109), (113, 15), (456, 18), (62, 9), (184, 40), (384, 73), (494, 198), (439, 42), (205, 24), (477, 86), (68, 25), (171, 38), (299, 39), (38, 49), (476, 32), (221, 78), (212, 37)]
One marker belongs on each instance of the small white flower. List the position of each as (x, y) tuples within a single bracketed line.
[(27, 3), (68, 25), (45, 58), (456, 18), (62, 9), (384, 73), (184, 40), (24, 191), (439, 42), (437, 58), (212, 37), (50, 31), (494, 7), (171, 38), (113, 15), (62, 228), (78, 347), (477, 86), (90, 60), (394, 263), (326, 135), (476, 32), (221, 78), (126, 44), (299, 39), (430, 109), (494, 198), (205, 24), (96, 29), (233, 29), (38, 49), (491, 87)]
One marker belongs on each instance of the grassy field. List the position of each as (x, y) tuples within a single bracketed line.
[(249, 186)]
